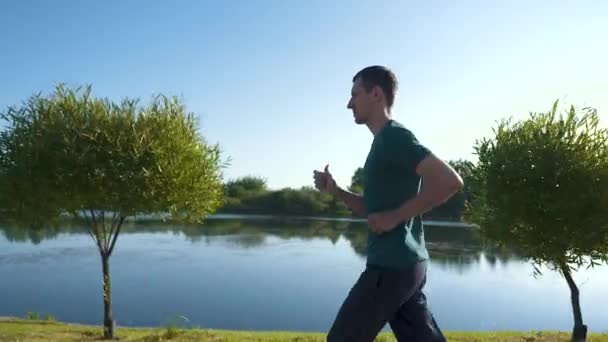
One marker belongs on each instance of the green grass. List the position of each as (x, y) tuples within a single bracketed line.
[(21, 330)]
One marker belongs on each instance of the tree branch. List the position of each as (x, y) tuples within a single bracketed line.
[(105, 232), (118, 226), (89, 225), (113, 225), (96, 231)]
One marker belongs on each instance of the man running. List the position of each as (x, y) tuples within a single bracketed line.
[(393, 201)]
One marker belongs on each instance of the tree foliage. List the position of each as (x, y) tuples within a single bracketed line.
[(542, 187), (72, 152)]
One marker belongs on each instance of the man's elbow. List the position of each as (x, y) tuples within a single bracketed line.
[(441, 175), (458, 183), (453, 184), (443, 188)]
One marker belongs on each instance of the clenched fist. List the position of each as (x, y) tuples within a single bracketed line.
[(324, 181)]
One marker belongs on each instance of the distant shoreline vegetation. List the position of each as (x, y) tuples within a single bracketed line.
[(250, 195)]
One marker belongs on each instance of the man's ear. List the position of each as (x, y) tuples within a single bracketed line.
[(377, 93)]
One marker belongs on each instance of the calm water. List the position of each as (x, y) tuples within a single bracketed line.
[(273, 275)]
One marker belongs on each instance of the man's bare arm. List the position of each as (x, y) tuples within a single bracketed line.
[(440, 183), (353, 201)]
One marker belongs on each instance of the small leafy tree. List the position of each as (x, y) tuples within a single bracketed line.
[(73, 154), (356, 181), (245, 187), (541, 188)]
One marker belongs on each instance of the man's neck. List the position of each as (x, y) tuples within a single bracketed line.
[(377, 122)]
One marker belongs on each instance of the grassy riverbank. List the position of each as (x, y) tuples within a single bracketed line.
[(30, 330)]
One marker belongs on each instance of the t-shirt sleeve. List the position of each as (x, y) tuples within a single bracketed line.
[(403, 149)]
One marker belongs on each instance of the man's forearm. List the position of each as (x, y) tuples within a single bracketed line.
[(353, 201)]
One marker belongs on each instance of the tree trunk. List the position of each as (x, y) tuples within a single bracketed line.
[(108, 322), (579, 333)]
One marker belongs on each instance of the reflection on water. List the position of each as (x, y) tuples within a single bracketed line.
[(226, 272), (455, 247)]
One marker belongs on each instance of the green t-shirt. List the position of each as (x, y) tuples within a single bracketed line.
[(390, 179)]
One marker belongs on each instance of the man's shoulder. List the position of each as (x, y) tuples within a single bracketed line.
[(397, 132), (398, 138)]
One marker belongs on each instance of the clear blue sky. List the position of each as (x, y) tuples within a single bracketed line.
[(270, 79)]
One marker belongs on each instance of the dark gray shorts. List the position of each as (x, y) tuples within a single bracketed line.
[(386, 295)]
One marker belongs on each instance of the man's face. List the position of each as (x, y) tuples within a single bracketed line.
[(360, 102)]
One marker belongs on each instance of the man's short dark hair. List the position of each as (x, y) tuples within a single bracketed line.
[(383, 77)]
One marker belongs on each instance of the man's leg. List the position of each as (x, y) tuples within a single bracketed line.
[(358, 318), (374, 299), (415, 322)]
